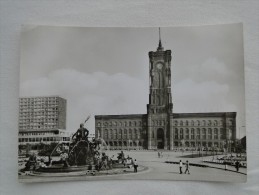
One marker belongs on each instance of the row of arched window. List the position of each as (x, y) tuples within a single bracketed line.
[(120, 124), (199, 133), (199, 123), (122, 133), (198, 144), (158, 123), (125, 144)]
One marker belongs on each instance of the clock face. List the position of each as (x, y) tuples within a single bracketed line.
[(159, 66)]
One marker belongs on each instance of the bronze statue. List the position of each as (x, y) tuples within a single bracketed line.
[(81, 134)]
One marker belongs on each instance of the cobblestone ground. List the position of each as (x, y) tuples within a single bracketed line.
[(159, 170)]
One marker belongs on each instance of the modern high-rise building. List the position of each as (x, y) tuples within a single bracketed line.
[(42, 113), (42, 120), (160, 128)]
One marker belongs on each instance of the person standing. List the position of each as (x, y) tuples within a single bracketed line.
[(181, 166), (158, 154), (187, 167), (135, 164), (226, 165), (237, 165)]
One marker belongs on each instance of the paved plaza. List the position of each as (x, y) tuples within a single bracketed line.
[(157, 169)]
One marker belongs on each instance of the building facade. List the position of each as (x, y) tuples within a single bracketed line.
[(37, 137), (42, 113), (160, 128), (42, 120)]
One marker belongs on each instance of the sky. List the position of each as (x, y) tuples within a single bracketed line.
[(105, 70)]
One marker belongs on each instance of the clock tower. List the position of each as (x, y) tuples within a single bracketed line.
[(160, 107)]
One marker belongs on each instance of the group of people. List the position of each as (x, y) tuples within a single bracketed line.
[(129, 162), (160, 154), (236, 164), (187, 167), (102, 162)]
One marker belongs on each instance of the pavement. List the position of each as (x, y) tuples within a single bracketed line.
[(157, 169)]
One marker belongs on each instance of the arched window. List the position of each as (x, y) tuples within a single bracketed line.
[(204, 123), (181, 133), (125, 133), (130, 134), (176, 123), (176, 133), (115, 134), (187, 134), (192, 123), (181, 123), (192, 133), (111, 134), (215, 123), (187, 123), (198, 123), (141, 133), (198, 133), (120, 134), (105, 134), (203, 133), (221, 133), (216, 135), (210, 133)]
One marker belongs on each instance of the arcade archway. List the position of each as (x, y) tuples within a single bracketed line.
[(160, 138)]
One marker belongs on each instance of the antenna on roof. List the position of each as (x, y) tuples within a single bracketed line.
[(160, 43)]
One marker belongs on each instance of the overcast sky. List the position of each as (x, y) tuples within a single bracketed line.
[(105, 70)]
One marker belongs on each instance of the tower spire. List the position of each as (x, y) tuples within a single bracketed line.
[(160, 47)]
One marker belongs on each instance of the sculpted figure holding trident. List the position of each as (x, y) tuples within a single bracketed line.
[(81, 134)]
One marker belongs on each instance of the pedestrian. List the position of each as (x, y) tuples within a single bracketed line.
[(135, 164), (64, 159), (237, 165), (181, 166), (187, 167), (226, 165), (158, 154)]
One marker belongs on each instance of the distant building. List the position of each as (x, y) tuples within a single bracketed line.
[(42, 113), (160, 128), (42, 120), (43, 136)]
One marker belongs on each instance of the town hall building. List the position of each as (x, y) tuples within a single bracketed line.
[(160, 127)]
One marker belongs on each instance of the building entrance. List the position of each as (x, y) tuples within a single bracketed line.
[(160, 139)]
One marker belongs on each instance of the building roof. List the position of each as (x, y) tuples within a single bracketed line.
[(123, 116), (205, 114)]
